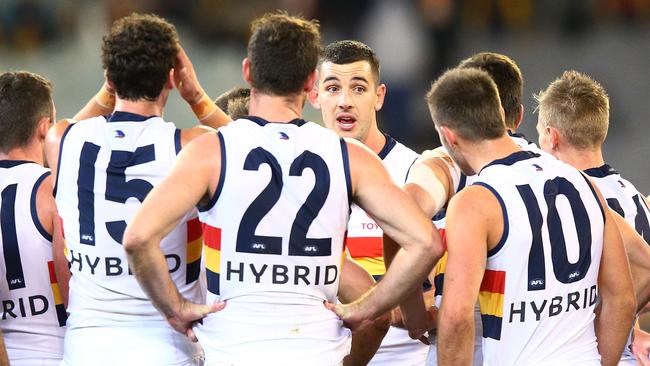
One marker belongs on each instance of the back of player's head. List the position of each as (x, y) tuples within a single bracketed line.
[(25, 98), (137, 54), (234, 102), (348, 51), (467, 101), (507, 76), (578, 107), (283, 50)]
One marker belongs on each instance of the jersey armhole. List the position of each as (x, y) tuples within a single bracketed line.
[(34, 211), (593, 191), (506, 225), (346, 169), (222, 176), (58, 163)]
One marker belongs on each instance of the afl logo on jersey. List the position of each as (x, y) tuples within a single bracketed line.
[(119, 134), (538, 168), (283, 136)]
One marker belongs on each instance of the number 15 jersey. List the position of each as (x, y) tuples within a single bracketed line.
[(274, 240)]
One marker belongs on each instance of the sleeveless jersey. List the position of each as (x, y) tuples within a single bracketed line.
[(274, 240), (33, 315), (364, 242), (625, 199), (107, 167), (539, 289)]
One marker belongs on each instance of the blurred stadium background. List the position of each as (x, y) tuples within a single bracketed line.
[(415, 39)]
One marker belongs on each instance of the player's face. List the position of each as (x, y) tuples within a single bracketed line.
[(349, 98)]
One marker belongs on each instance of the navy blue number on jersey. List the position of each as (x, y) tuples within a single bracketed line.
[(641, 224), (118, 189), (15, 275), (565, 271), (299, 244)]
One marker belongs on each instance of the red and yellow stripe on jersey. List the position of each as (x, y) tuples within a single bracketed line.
[(490, 299), (194, 249), (212, 236), (61, 315), (368, 252)]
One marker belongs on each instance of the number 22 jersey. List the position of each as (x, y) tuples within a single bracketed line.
[(274, 240)]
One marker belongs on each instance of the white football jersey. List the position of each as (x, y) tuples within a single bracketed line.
[(107, 166), (274, 235), (364, 242), (625, 199), (539, 289), (33, 315)]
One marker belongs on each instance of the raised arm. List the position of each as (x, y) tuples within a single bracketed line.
[(192, 92), (467, 247), (100, 104), (192, 180), (401, 219)]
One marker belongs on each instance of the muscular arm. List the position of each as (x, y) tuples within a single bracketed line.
[(49, 218), (617, 305), (100, 104), (4, 359), (467, 247), (193, 178), (425, 175), (355, 281), (638, 253), (401, 219)]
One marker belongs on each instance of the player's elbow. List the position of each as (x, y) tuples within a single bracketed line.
[(133, 240), (435, 247)]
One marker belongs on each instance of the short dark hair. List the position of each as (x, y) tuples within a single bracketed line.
[(578, 106), (507, 76), (467, 101), (137, 54), (234, 102), (25, 98), (347, 52), (283, 50)]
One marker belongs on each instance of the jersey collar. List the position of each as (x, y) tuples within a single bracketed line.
[(262, 122), (601, 171), (388, 146), (119, 116), (512, 158), (12, 163)]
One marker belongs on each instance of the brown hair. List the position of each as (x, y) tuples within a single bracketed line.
[(578, 107), (234, 102), (467, 101), (347, 52), (283, 50), (138, 53), (506, 76), (25, 98)]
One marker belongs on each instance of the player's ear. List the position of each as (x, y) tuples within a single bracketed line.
[(448, 135), (310, 83), (170, 79), (313, 97), (108, 81), (554, 137), (520, 116), (381, 94), (246, 70), (42, 127)]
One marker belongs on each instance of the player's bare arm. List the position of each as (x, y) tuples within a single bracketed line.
[(192, 92), (467, 246), (400, 218), (638, 254), (4, 359), (192, 179), (356, 281), (49, 218), (430, 184), (617, 306)]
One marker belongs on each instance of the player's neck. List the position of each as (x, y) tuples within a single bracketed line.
[(375, 140), (488, 151), (142, 107), (31, 152), (274, 108), (581, 159)]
